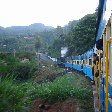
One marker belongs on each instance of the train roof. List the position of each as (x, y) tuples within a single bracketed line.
[(104, 13)]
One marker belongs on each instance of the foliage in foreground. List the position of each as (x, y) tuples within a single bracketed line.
[(14, 97), (19, 97), (12, 65), (64, 87), (67, 86)]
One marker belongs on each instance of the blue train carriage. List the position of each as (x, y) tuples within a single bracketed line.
[(68, 62), (77, 63), (104, 51), (88, 63), (74, 62)]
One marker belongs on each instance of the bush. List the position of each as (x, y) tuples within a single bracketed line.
[(12, 65), (14, 97), (25, 71), (18, 97), (7, 63), (22, 72), (62, 88), (27, 55)]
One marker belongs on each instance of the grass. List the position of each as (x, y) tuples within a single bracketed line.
[(18, 97), (67, 86), (14, 97), (63, 87)]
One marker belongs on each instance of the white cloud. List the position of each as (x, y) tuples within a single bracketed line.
[(49, 12)]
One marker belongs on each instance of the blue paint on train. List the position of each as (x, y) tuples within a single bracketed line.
[(103, 95), (77, 67), (88, 71), (104, 14), (109, 88), (73, 66), (109, 107), (68, 65)]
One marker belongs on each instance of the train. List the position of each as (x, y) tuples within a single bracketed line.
[(96, 63)]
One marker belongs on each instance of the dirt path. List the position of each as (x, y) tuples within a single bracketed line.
[(68, 105)]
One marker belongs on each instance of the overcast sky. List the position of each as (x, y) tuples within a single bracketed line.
[(48, 12)]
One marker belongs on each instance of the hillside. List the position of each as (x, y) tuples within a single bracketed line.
[(23, 38), (33, 27)]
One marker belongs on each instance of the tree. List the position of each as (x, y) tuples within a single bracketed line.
[(9, 44), (38, 44), (55, 48), (82, 37)]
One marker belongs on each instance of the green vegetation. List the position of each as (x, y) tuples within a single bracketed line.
[(67, 86), (38, 44), (82, 37), (14, 97), (16, 86), (23, 38), (10, 65), (23, 79), (22, 83), (78, 36), (19, 97), (63, 87), (59, 41)]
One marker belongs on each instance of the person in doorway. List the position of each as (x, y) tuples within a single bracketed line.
[(95, 70)]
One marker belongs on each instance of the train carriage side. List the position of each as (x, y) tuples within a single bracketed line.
[(77, 63), (68, 62), (88, 64), (104, 47)]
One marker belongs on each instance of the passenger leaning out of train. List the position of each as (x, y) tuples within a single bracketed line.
[(95, 65)]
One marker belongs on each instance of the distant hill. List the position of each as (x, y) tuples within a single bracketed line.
[(39, 27), (22, 38)]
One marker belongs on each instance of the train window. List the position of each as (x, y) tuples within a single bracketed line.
[(80, 62), (73, 61), (90, 62), (84, 62), (102, 64), (77, 62)]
